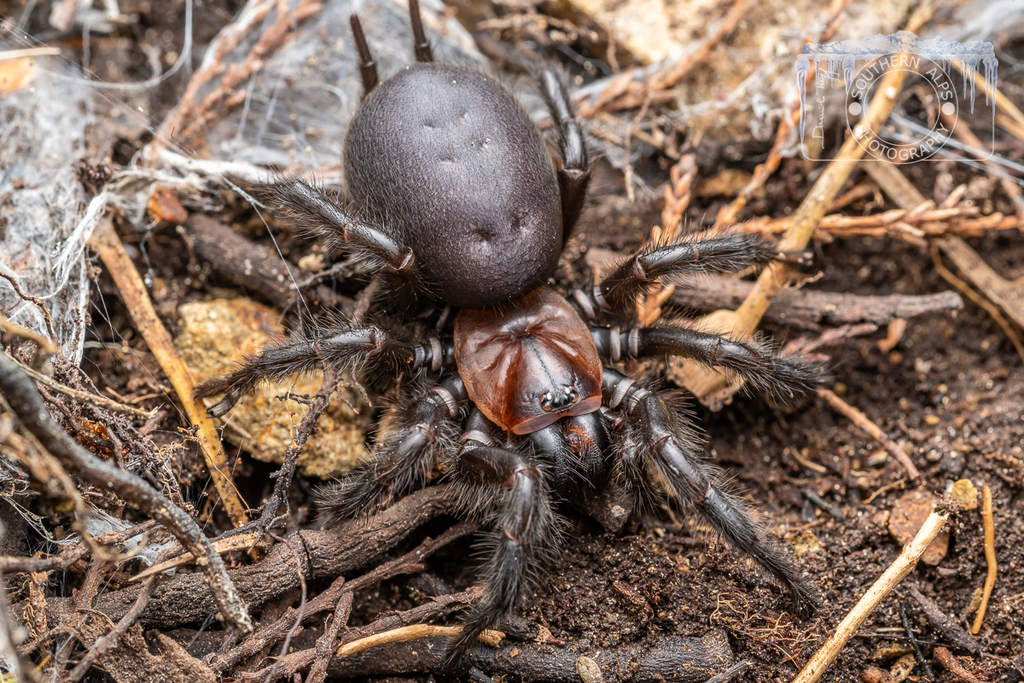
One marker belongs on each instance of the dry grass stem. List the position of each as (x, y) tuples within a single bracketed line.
[(414, 632), (239, 542), (892, 576), (108, 245), (990, 556)]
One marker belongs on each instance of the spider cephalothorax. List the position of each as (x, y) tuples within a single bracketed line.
[(454, 194)]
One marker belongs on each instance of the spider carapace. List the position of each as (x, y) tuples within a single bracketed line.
[(519, 401)]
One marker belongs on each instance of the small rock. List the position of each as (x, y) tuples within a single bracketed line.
[(806, 543), (872, 674), (902, 668), (588, 670), (909, 515), (964, 493), (217, 334)]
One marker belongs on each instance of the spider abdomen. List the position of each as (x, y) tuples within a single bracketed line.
[(528, 365), (445, 158)]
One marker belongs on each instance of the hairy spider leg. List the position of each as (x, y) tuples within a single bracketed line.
[(777, 376), (618, 292), (420, 45), (405, 458), (314, 210), (370, 348), (574, 171), (694, 483), (367, 67), (525, 526)]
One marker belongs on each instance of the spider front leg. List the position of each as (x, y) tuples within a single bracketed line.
[(314, 210), (574, 171), (525, 524), (779, 376), (618, 292), (372, 347), (405, 459), (694, 483)]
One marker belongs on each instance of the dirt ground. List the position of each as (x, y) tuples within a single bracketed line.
[(950, 392)]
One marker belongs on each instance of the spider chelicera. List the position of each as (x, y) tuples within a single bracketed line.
[(455, 196)]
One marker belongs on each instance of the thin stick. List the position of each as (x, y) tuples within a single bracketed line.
[(954, 666), (40, 304), (108, 245), (978, 299), (45, 347), (892, 576), (87, 397), (104, 644), (239, 542), (729, 674), (29, 52), (861, 420), (990, 555), (68, 557), (406, 633)]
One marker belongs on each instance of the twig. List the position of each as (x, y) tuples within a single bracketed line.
[(954, 666), (414, 632), (990, 556), (24, 399), (224, 545), (40, 304), (908, 224), (108, 245), (87, 397), (981, 301), (913, 640), (29, 52), (105, 644), (665, 658), (325, 643), (896, 572), (732, 673), (186, 598), (1005, 293), (677, 198), (253, 266), (291, 457), (943, 624), (9, 635), (191, 119), (68, 557), (861, 420), (45, 347), (407, 564)]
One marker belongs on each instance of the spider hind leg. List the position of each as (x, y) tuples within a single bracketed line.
[(694, 483)]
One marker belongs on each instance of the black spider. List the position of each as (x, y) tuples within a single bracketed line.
[(453, 191)]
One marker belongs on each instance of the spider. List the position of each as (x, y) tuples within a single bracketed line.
[(455, 196)]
